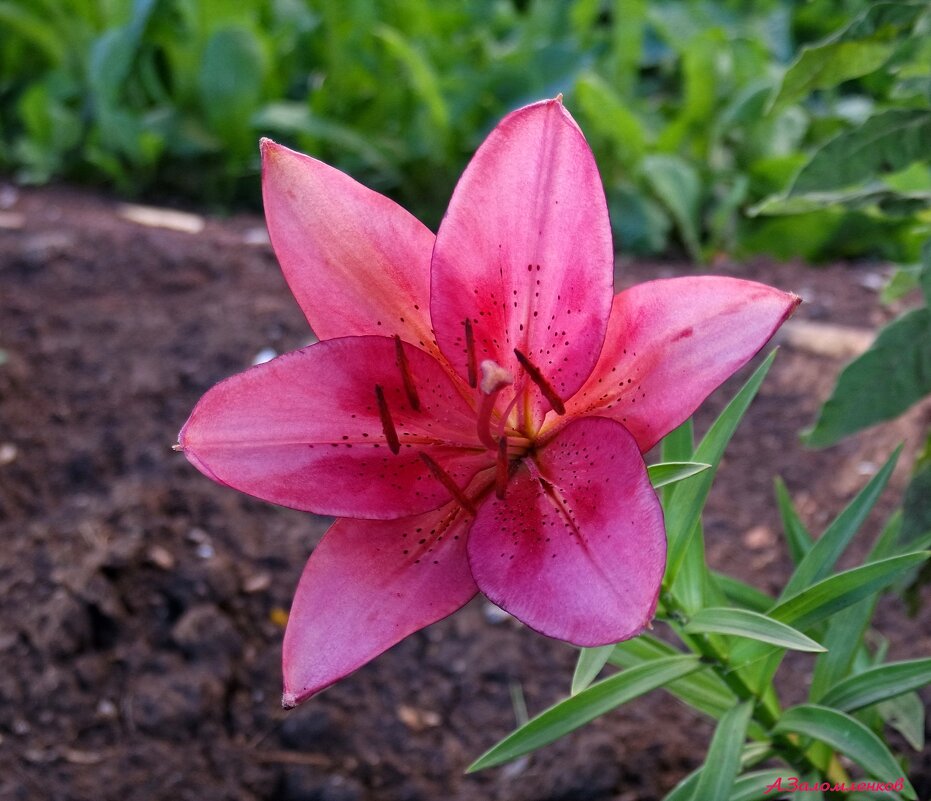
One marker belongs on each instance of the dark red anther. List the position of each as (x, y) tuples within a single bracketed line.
[(537, 377), (387, 424), (447, 481), (471, 364), (410, 388), (501, 474)]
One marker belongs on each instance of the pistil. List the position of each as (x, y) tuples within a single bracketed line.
[(494, 379)]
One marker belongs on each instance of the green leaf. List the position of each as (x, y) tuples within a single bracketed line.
[(676, 184), (878, 684), (742, 594), (821, 600), (665, 473), (688, 499), (423, 77), (578, 710), (753, 625), (230, 84), (859, 49), (34, 29), (677, 446), (906, 714), (886, 143), (823, 555), (916, 505), (591, 661), (882, 383), (748, 787), (752, 786), (891, 202), (846, 735), (797, 536), (724, 754), (604, 116), (704, 690)]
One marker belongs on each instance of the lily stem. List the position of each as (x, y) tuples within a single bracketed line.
[(718, 662)]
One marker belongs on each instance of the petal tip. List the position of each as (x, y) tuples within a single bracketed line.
[(289, 700)]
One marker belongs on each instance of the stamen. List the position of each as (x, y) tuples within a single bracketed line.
[(387, 424), (409, 387), (537, 377), (470, 354), (447, 481), (501, 474)]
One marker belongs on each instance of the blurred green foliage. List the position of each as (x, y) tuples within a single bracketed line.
[(685, 104)]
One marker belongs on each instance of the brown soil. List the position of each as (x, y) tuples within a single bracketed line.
[(141, 606)]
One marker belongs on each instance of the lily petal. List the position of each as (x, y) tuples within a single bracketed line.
[(367, 585), (524, 252), (576, 549), (672, 342), (356, 262), (306, 430)]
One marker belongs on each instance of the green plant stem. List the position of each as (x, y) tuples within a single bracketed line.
[(717, 660)]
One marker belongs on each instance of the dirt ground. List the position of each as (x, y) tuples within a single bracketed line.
[(141, 606)]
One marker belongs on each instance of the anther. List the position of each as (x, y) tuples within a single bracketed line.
[(447, 481), (470, 354), (501, 474), (537, 377), (387, 424), (410, 388)]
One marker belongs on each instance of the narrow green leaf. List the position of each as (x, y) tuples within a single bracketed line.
[(748, 787), (703, 690), (752, 786), (846, 735), (742, 594), (882, 383), (573, 712), (591, 661), (753, 625), (677, 446), (823, 555), (821, 600), (724, 754), (843, 639), (846, 629), (906, 714), (797, 536), (670, 472), (878, 684), (689, 498)]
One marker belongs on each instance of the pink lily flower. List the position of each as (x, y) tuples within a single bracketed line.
[(477, 407)]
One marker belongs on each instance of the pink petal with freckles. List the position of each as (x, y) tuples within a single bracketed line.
[(525, 253), (576, 550), (368, 585), (356, 262), (304, 430), (670, 343)]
